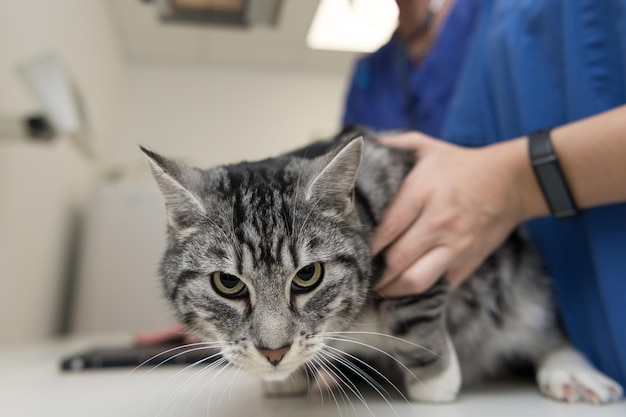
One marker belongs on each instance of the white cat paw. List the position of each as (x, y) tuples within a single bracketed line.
[(296, 384), (566, 375), (442, 388)]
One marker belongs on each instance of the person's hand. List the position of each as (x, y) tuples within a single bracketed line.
[(453, 209)]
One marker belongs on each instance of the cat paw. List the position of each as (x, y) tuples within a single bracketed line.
[(566, 375), (296, 384), (441, 388)]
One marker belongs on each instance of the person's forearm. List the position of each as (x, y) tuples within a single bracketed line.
[(592, 155)]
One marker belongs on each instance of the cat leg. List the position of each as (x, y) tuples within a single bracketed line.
[(564, 374), (296, 384), (423, 346), (441, 384)]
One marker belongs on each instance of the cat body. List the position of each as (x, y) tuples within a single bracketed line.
[(271, 259)]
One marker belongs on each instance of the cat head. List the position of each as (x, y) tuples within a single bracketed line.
[(265, 257)]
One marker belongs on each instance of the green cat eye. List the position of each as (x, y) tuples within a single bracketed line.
[(227, 285), (308, 277)]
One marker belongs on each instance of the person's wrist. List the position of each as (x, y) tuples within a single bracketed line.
[(555, 189), (526, 198)]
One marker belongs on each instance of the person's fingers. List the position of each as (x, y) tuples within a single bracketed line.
[(175, 332), (418, 277), (402, 212), (405, 250), (400, 215)]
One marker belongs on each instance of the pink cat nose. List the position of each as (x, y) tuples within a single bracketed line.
[(274, 356)]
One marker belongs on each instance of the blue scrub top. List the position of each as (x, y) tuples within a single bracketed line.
[(389, 92), (537, 64)]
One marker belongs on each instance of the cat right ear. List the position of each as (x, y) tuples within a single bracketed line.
[(176, 182), (333, 188)]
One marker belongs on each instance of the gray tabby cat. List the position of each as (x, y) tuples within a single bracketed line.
[(271, 258)]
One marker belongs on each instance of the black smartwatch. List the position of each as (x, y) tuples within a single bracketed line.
[(549, 175)]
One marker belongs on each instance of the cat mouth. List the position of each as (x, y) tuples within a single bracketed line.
[(265, 371), (277, 375)]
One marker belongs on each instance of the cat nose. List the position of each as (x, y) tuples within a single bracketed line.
[(274, 356)]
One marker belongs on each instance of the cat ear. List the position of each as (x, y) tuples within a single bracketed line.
[(333, 188), (176, 181)]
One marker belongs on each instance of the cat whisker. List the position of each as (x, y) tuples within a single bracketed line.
[(293, 381), (310, 370), (321, 365), (210, 365), (201, 374), (192, 380), (214, 355), (370, 333), (354, 368), (311, 376), (346, 380), (360, 343), (203, 345), (177, 373), (214, 379), (232, 383), (337, 372), (337, 353), (382, 392), (177, 393), (367, 378)]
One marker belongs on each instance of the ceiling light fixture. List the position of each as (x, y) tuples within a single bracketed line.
[(352, 25)]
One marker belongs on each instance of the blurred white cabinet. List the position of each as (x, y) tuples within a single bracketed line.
[(118, 288)]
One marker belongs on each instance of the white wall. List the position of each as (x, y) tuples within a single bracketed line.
[(41, 185), (212, 116)]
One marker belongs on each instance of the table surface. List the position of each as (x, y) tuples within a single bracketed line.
[(31, 384)]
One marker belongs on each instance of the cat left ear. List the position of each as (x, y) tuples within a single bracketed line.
[(333, 188), (176, 181)]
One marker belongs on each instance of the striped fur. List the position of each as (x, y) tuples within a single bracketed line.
[(263, 221)]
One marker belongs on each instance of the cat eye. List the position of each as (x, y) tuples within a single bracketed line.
[(308, 277), (228, 285)]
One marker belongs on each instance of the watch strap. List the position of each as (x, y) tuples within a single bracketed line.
[(550, 176)]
